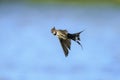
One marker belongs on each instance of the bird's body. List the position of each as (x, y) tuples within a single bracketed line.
[(65, 39), (62, 34)]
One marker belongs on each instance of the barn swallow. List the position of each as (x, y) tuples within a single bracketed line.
[(65, 39)]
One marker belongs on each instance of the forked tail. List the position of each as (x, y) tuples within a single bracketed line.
[(75, 37)]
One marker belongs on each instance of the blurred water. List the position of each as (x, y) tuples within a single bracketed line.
[(29, 51)]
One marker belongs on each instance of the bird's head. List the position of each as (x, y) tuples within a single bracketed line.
[(53, 31)]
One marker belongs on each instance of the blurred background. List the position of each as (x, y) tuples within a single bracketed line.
[(28, 50)]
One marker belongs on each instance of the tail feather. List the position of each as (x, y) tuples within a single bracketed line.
[(75, 37), (80, 44), (81, 31)]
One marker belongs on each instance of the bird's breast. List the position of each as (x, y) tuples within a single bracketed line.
[(61, 35)]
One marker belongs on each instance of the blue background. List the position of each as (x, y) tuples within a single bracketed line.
[(28, 50)]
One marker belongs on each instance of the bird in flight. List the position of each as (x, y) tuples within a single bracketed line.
[(65, 39)]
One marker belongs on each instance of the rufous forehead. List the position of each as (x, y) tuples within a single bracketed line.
[(53, 30)]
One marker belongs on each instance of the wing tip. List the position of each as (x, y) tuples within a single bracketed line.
[(66, 55)]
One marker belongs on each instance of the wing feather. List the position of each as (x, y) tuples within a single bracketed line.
[(65, 45)]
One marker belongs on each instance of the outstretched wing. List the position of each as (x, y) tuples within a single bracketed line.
[(65, 45)]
